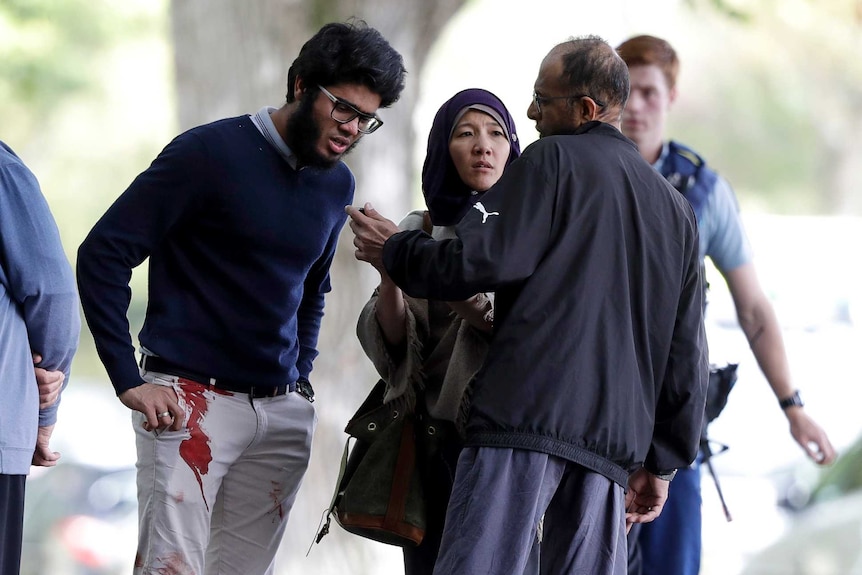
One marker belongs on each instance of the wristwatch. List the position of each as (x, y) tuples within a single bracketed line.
[(792, 401), (666, 476)]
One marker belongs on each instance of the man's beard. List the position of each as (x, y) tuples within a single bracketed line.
[(303, 135)]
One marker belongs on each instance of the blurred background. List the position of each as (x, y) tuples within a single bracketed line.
[(770, 94)]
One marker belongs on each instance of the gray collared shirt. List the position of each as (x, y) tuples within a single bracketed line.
[(263, 122)]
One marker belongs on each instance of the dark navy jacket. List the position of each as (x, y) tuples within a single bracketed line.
[(599, 354), (239, 246)]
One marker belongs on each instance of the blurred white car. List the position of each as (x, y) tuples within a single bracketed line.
[(824, 536), (80, 517), (80, 520)]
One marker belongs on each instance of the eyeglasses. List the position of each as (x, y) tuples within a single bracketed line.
[(344, 113), (539, 100)]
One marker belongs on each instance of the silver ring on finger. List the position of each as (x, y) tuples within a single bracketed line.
[(165, 414)]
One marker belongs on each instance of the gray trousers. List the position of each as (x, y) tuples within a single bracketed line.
[(499, 497), (215, 496)]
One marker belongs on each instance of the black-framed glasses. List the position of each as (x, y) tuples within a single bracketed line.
[(344, 113), (539, 100)]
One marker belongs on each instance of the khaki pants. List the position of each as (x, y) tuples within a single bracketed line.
[(214, 497)]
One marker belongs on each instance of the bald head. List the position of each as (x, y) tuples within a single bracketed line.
[(589, 65)]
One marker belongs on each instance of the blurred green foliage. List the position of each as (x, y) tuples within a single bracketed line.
[(69, 109), (48, 49), (772, 95), (757, 139), (722, 6)]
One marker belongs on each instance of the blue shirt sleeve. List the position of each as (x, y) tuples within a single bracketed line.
[(722, 236), (36, 272)]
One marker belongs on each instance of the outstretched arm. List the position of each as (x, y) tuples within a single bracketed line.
[(371, 230), (760, 325), (502, 245)]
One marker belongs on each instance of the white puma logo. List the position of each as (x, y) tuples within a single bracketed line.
[(485, 213)]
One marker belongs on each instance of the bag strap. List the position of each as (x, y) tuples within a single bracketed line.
[(404, 465), (341, 471), (323, 531)]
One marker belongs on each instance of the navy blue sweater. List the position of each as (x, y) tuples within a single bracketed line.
[(240, 246)]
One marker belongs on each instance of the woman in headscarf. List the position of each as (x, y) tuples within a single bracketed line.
[(431, 349)]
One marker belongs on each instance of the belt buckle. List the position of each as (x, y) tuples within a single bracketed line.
[(259, 392)]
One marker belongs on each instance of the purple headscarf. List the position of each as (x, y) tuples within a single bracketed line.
[(446, 196)]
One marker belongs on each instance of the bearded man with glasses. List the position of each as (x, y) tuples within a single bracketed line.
[(240, 220)]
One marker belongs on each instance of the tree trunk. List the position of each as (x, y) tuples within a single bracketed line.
[(231, 58)]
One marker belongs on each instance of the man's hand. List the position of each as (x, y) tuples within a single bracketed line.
[(810, 436), (371, 231), (43, 456), (50, 383), (646, 497), (158, 403)]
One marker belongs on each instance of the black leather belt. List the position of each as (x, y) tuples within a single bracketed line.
[(155, 363)]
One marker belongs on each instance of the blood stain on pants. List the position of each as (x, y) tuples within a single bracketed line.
[(195, 450), (275, 493)]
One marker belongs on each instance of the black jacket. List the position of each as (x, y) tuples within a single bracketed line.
[(599, 354)]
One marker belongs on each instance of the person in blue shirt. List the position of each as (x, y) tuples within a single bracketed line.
[(671, 545), (39, 323), (239, 219)]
